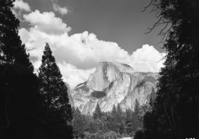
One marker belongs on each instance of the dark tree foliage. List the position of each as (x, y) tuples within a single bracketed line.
[(139, 134), (78, 123), (114, 111), (120, 123), (176, 109), (97, 113), (137, 107), (113, 122), (119, 113), (58, 112), (119, 118), (18, 84), (134, 124)]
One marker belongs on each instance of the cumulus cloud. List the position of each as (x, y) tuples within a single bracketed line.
[(77, 55), (61, 10), (72, 75), (147, 58), (21, 5), (46, 22), (24, 34), (83, 50)]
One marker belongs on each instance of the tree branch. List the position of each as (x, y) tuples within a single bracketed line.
[(155, 25), (147, 6), (169, 119)]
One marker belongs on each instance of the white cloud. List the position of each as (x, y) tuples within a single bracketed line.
[(77, 55), (82, 50), (61, 10), (24, 34), (46, 22), (147, 58), (21, 5), (72, 75)]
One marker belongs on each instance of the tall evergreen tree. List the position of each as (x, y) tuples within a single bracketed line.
[(18, 84), (78, 123), (97, 113), (120, 118), (129, 115), (55, 97), (114, 111), (119, 113), (113, 123), (176, 109), (137, 107)]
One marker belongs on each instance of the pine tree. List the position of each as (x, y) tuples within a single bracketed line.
[(119, 113), (113, 122), (18, 84), (129, 115), (133, 122), (176, 109), (120, 118), (55, 97), (78, 123), (114, 111), (137, 107), (98, 113), (139, 135)]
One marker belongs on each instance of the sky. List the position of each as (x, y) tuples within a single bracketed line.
[(82, 33)]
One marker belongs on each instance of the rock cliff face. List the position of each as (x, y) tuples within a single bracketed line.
[(114, 84)]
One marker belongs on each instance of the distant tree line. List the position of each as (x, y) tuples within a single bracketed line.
[(108, 125), (31, 106)]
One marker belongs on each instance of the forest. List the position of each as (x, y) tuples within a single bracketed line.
[(109, 125), (36, 106)]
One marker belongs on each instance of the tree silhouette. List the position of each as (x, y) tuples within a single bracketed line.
[(78, 123), (138, 134), (176, 109), (114, 111), (97, 113), (18, 84), (119, 113), (137, 107), (55, 97)]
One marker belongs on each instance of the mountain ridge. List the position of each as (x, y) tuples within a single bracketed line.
[(112, 84)]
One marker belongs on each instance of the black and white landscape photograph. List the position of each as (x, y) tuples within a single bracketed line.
[(99, 69)]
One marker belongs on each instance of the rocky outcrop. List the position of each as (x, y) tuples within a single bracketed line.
[(114, 84)]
